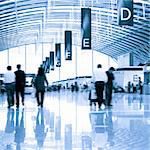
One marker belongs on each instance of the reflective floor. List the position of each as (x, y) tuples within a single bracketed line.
[(66, 122)]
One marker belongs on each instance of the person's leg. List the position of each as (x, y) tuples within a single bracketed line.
[(99, 92), (101, 88), (106, 94), (109, 95), (12, 91), (42, 98), (17, 96), (141, 89), (90, 98), (37, 97), (8, 95), (22, 94)]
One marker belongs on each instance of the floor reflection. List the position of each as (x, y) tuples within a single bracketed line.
[(67, 122), (9, 129), (19, 129), (40, 131)]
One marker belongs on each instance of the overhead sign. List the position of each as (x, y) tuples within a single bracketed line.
[(51, 60), (58, 54), (125, 12), (86, 28), (68, 45), (47, 61)]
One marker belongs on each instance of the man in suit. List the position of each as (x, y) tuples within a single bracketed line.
[(20, 84), (109, 85)]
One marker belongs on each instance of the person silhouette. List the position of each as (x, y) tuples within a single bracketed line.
[(19, 129), (20, 84), (39, 84), (140, 86), (39, 130), (9, 81), (109, 85), (100, 78)]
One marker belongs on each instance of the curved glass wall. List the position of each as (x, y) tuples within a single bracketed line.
[(31, 56), (44, 21)]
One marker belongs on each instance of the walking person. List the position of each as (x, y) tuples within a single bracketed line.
[(140, 86), (39, 84), (9, 81), (129, 87), (109, 86), (20, 84), (100, 78)]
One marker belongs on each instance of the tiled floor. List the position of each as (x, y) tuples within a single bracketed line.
[(67, 122)]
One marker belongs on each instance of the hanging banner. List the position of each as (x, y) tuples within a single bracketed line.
[(51, 60), (86, 28), (47, 64), (68, 45), (44, 65), (125, 12), (58, 54)]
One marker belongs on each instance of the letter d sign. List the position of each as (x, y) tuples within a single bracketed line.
[(125, 12)]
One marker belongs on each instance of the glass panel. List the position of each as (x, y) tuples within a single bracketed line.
[(33, 57), (46, 50), (99, 58), (21, 54), (17, 56), (3, 61), (84, 62)]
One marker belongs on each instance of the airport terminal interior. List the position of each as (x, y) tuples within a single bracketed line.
[(68, 39)]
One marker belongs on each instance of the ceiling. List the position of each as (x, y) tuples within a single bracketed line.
[(35, 21)]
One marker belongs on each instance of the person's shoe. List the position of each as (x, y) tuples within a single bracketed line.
[(10, 105), (110, 105), (22, 103)]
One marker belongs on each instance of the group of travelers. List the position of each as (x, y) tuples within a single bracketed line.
[(134, 88), (103, 81), (15, 84)]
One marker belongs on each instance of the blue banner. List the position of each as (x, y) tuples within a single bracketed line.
[(86, 28), (58, 54), (43, 65), (68, 45), (47, 64), (51, 60), (125, 12)]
